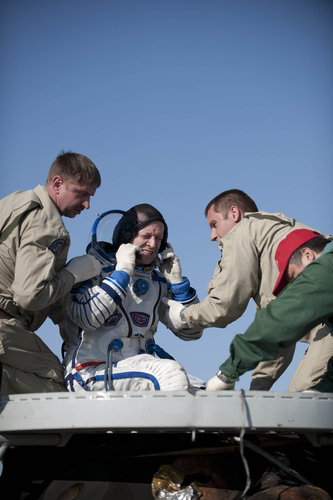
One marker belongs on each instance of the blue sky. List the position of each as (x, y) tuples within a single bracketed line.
[(174, 101)]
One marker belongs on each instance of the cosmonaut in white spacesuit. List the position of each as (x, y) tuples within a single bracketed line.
[(112, 319)]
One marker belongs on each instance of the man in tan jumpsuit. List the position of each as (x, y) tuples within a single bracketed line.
[(34, 245), (248, 240)]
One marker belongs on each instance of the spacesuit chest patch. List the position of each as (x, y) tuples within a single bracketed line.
[(140, 319), (57, 244), (113, 320)]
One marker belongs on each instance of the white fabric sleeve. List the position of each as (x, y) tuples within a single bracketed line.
[(90, 306)]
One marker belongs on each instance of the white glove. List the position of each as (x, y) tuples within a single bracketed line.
[(126, 256), (169, 265), (83, 268), (169, 312), (216, 384)]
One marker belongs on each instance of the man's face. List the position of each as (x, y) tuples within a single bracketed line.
[(219, 225), (149, 240), (73, 198), (293, 270)]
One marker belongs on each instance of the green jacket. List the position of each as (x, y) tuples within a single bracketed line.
[(306, 302)]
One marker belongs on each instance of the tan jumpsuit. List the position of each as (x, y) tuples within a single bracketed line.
[(32, 281)]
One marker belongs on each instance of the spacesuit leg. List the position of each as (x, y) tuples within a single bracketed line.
[(147, 373)]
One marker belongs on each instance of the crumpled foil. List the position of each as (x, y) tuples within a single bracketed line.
[(167, 483)]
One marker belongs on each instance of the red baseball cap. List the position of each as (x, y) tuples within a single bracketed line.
[(285, 249)]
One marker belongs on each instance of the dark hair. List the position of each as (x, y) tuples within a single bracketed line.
[(133, 220), (76, 168), (316, 244), (224, 201)]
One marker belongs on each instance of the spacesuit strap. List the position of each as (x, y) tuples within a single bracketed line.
[(161, 353), (15, 222), (115, 345), (153, 348), (77, 377), (157, 277)]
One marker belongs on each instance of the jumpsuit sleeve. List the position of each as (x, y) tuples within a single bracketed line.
[(39, 277), (235, 281), (90, 305), (303, 304)]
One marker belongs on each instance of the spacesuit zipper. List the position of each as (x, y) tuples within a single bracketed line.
[(156, 304), (130, 330)]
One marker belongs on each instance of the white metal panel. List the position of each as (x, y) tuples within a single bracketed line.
[(166, 411)]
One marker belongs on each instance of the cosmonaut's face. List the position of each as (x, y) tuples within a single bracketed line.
[(149, 240)]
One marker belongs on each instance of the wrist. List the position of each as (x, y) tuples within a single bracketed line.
[(121, 277), (182, 292), (224, 378)]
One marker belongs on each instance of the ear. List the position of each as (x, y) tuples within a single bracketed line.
[(57, 182), (235, 213), (308, 255)]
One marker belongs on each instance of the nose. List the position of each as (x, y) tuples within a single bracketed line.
[(153, 242), (213, 235), (86, 204)]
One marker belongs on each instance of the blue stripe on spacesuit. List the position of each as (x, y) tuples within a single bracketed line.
[(80, 306), (122, 277), (80, 310), (80, 315), (76, 349), (117, 285), (156, 277), (108, 269), (121, 376), (192, 294), (118, 279), (77, 378), (95, 300), (69, 380), (182, 292), (112, 292)]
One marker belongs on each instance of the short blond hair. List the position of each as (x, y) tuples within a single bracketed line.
[(75, 168)]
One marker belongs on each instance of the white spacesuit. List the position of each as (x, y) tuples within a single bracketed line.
[(112, 319)]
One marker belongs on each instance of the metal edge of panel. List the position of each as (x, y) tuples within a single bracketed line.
[(166, 411)]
